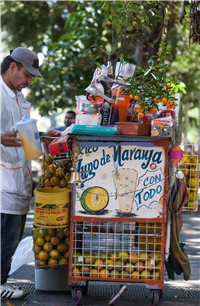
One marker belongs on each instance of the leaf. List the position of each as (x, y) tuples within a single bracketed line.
[(147, 72), (106, 6), (155, 76), (147, 28), (129, 28), (150, 62)]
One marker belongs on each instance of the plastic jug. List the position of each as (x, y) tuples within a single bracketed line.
[(30, 137)]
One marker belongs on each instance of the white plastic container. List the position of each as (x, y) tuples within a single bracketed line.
[(30, 137), (52, 279), (88, 119)]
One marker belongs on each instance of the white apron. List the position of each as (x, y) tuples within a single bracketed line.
[(15, 173)]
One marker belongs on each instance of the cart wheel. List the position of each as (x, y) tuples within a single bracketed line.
[(160, 293), (78, 297), (155, 299)]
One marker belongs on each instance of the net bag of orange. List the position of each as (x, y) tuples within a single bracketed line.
[(175, 155)]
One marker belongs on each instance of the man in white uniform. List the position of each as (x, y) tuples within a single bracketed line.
[(17, 71)]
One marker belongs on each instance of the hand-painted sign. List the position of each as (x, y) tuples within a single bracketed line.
[(121, 181)]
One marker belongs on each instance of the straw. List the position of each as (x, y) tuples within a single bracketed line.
[(117, 95)]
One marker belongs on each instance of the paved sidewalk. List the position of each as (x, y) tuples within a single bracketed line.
[(175, 293)]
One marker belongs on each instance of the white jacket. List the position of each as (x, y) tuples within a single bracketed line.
[(15, 173)]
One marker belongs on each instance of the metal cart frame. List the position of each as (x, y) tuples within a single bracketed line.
[(79, 282)]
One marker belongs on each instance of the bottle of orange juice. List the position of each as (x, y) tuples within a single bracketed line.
[(122, 103)]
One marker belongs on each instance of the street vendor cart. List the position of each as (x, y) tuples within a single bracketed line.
[(118, 212)]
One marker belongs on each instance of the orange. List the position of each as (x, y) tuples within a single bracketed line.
[(125, 274), (168, 107), (145, 274), (155, 100), (104, 273), (138, 106), (43, 255), (135, 22), (62, 247), (149, 265), (41, 232), (114, 274), (140, 115), (108, 23), (54, 253), (136, 97), (193, 196), (109, 264), (66, 254), (36, 256), (98, 264), (67, 232), (133, 258), (193, 160), (67, 241), (164, 99), (41, 263), (129, 267), (76, 272), (54, 240), (139, 266), (37, 248), (34, 231), (60, 233), (114, 14), (51, 231), (135, 274), (47, 246), (173, 106), (131, 96), (118, 265), (168, 84), (114, 256), (47, 237), (143, 257), (63, 262), (40, 241), (52, 262), (94, 273)]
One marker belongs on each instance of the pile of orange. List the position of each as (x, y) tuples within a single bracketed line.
[(51, 247)]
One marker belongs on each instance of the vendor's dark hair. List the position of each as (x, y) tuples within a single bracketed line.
[(7, 61), (72, 112)]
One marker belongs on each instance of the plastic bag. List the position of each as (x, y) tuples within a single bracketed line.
[(23, 255)]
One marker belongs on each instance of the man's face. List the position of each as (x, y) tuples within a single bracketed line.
[(69, 119), (19, 78)]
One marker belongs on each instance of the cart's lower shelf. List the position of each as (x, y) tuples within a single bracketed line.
[(108, 250)]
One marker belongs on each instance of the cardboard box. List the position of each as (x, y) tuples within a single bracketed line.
[(60, 145)]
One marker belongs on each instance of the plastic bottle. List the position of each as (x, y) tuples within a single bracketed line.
[(114, 115)]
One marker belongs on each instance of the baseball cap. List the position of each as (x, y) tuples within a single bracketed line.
[(28, 59)]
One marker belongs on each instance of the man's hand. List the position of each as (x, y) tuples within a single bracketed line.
[(9, 139), (49, 136)]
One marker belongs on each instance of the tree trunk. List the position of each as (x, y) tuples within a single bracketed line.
[(186, 122)]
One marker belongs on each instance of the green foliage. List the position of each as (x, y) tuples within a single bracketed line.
[(78, 40), (128, 22), (31, 23), (150, 84), (67, 71)]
